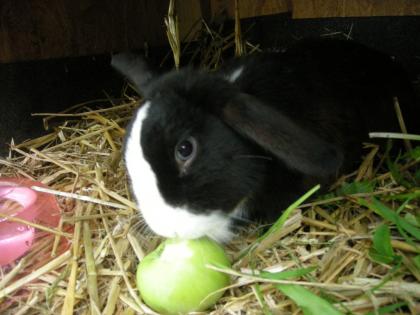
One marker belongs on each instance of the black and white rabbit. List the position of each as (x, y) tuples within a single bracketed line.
[(243, 142)]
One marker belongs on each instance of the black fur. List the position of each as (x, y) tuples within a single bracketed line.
[(180, 108), (290, 120)]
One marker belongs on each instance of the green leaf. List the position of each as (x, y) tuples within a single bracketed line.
[(417, 261), (417, 176), (356, 188), (387, 309), (310, 303), (391, 216), (412, 219), (408, 196), (287, 274), (327, 196), (412, 264), (381, 250), (394, 168), (414, 154), (280, 222)]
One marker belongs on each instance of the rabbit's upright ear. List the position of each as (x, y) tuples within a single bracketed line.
[(135, 68), (297, 147)]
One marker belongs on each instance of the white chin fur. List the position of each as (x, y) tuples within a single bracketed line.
[(163, 218)]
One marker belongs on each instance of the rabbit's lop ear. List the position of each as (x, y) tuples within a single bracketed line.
[(135, 68), (297, 147)]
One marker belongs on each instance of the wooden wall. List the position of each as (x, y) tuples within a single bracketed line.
[(44, 29), (319, 8), (250, 8), (40, 29), (348, 8)]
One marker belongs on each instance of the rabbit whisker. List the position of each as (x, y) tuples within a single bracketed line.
[(240, 218)]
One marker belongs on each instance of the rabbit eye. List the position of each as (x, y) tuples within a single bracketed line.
[(186, 150)]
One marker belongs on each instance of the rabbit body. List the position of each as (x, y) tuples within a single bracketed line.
[(208, 150)]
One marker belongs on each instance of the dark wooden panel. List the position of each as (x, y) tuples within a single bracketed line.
[(250, 8), (189, 12), (40, 29), (44, 29), (343, 8)]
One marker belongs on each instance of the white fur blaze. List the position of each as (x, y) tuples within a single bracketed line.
[(235, 74), (163, 218)]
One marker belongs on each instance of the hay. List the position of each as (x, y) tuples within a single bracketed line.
[(172, 33), (95, 274), (87, 265)]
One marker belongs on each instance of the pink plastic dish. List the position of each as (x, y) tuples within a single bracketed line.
[(18, 200), (24, 196)]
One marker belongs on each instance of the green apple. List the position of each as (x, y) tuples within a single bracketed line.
[(174, 279)]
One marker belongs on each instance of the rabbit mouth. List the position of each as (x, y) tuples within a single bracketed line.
[(171, 222), (181, 223)]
